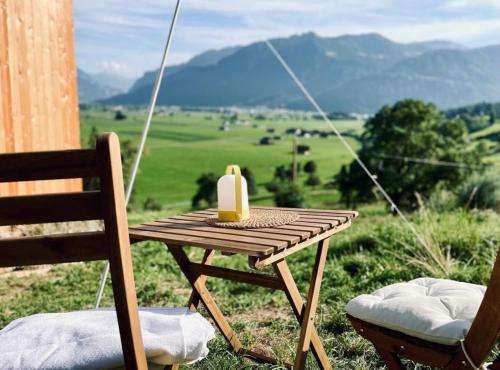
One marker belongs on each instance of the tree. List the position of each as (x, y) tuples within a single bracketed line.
[(313, 180), (310, 167), (119, 115), (409, 128), (289, 195), (280, 173), (492, 118), (207, 190), (251, 184)]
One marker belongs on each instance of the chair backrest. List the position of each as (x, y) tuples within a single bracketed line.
[(485, 329), (107, 204)]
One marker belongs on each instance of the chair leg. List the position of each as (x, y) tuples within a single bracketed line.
[(391, 360)]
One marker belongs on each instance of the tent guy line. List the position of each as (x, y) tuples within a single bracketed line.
[(145, 131), (344, 142), (305, 92)]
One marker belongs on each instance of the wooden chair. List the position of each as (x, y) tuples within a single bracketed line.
[(108, 204), (471, 353)]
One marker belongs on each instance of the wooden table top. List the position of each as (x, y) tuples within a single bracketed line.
[(191, 229)]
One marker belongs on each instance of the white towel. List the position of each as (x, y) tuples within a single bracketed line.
[(91, 340)]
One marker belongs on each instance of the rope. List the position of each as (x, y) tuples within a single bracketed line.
[(469, 359), (145, 131), (427, 161), (344, 141)]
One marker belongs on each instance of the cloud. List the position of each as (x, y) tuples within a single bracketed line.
[(133, 32), (112, 66), (472, 3)]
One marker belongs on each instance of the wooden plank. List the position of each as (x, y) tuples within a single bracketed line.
[(48, 165), (210, 235), (314, 210), (200, 225), (313, 225), (302, 221), (263, 262), (63, 248), (194, 299), (198, 284), (311, 305), (295, 299), (266, 281), (5, 106), (225, 246), (31, 209), (37, 81), (290, 227), (431, 354), (275, 231), (120, 257), (305, 213), (43, 123)]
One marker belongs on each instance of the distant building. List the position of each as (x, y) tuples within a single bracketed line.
[(266, 141), (303, 149)]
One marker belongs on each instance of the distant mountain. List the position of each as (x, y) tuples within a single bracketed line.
[(91, 88), (353, 73), (114, 81), (206, 58)]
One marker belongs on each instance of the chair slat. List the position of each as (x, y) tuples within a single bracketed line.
[(61, 207), (40, 250), (66, 164)]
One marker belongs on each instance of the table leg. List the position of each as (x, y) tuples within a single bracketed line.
[(198, 284), (305, 313), (194, 299)]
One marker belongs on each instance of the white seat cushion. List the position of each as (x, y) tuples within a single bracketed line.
[(437, 310), (91, 339)]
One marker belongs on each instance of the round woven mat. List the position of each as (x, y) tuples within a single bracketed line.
[(259, 218)]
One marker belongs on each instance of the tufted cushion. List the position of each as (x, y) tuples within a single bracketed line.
[(90, 339), (437, 310)]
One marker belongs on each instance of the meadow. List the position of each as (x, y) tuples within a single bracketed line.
[(182, 146), (377, 250)]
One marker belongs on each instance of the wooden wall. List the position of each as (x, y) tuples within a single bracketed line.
[(38, 89)]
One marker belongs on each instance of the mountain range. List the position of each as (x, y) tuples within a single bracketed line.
[(350, 73), (93, 87)]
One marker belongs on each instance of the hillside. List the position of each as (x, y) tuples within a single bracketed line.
[(353, 73)]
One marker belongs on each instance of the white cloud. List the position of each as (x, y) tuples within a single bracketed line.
[(133, 32), (112, 66), (472, 3)]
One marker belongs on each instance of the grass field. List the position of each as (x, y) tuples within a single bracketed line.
[(183, 146), (377, 250), (367, 256)]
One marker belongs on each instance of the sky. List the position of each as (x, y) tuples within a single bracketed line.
[(127, 37)]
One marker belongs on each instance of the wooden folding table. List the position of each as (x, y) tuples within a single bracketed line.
[(264, 246)]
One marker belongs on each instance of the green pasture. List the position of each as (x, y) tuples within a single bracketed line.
[(183, 146), (365, 257), (377, 250)]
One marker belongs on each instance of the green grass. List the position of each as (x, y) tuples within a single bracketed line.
[(185, 145), (377, 250), (365, 257)]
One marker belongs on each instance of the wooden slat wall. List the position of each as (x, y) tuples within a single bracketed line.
[(38, 89)]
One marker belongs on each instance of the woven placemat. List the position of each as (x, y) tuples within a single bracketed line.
[(259, 218)]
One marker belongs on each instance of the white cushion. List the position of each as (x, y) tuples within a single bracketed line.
[(91, 339), (436, 310)]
